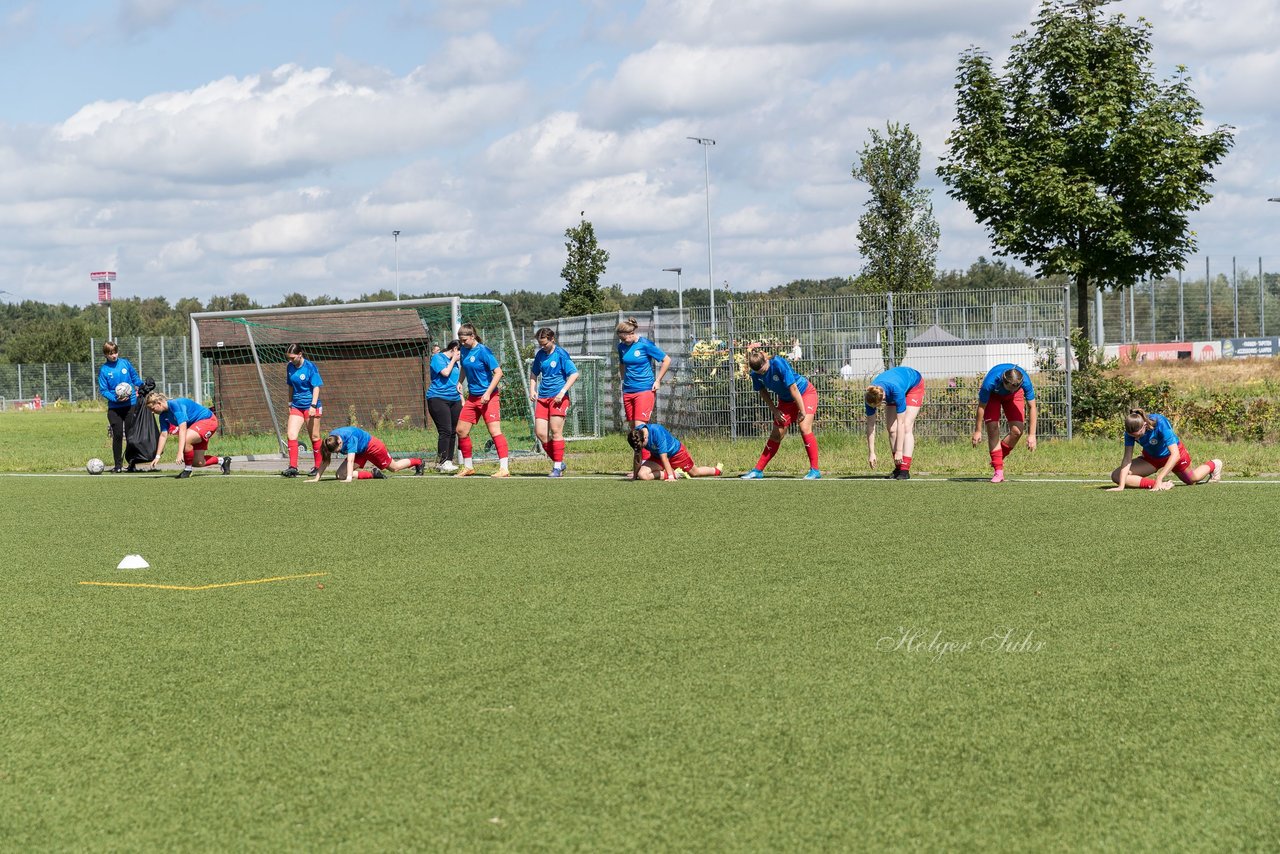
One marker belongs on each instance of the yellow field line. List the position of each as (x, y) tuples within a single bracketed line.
[(203, 586)]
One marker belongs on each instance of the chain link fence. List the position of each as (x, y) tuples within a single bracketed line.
[(839, 343)]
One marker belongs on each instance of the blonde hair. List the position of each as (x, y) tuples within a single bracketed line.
[(468, 329), (628, 326), (156, 397), (1138, 420), (874, 396)]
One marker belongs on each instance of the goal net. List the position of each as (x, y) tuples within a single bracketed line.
[(374, 359)]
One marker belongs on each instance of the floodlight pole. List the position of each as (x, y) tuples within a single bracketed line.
[(706, 143), (395, 239)]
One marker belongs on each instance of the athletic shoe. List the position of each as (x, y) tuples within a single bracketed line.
[(117, 469), (904, 474), (556, 473), (1217, 472), (314, 471), (225, 465), (378, 475), (813, 474), (465, 472), (501, 473), (184, 473), (447, 466), (754, 474), (132, 468), (289, 472), (998, 477), (419, 469)]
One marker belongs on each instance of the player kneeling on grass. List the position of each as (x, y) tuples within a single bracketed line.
[(1162, 452), (1005, 388), (668, 457), (193, 424), (358, 448), (900, 391), (797, 404)]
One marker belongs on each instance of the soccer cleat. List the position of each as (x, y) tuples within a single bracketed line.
[(378, 475), (904, 474), (289, 472), (132, 468), (1217, 472), (998, 477), (447, 466), (556, 473), (225, 465), (501, 473), (813, 474), (754, 474), (893, 475), (419, 469), (465, 473), (184, 473), (314, 471), (117, 469)]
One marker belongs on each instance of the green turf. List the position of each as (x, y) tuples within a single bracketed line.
[(596, 664)]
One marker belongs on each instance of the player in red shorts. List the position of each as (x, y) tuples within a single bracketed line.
[(193, 424), (482, 373), (359, 448), (668, 457), (900, 391), (1162, 453), (1006, 388), (551, 375), (797, 404)]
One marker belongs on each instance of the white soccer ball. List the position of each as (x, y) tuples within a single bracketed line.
[(95, 466), (124, 391)]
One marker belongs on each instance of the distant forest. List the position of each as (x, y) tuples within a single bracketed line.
[(33, 332)]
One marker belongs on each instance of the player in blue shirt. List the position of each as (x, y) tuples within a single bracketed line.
[(900, 391), (551, 376), (1162, 452), (193, 424), (304, 406), (444, 401), (115, 370), (1006, 388), (640, 384), (357, 447), (797, 404), (482, 373), (667, 458)]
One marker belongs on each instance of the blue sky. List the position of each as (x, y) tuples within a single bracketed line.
[(213, 146)]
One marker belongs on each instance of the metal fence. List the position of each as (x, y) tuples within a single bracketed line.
[(840, 343), (167, 360)]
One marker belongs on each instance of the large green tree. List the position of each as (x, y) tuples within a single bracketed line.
[(897, 233), (582, 271), (1077, 160)]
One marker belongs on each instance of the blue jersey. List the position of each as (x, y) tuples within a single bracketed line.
[(302, 381), (552, 370), (354, 440), (111, 375), (182, 410), (478, 364), (778, 379), (661, 441), (896, 382), (637, 359), (445, 386), (1156, 441), (991, 383)]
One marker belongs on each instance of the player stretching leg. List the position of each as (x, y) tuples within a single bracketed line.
[(193, 424), (357, 448), (1162, 452), (901, 391), (1006, 388), (797, 404), (667, 458)]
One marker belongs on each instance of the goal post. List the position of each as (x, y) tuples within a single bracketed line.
[(374, 358)]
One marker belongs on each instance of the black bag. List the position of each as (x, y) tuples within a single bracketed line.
[(141, 432)]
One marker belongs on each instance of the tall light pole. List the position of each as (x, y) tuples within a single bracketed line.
[(706, 167), (395, 239), (680, 297)]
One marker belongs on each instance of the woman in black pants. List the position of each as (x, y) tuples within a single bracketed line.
[(444, 403), (118, 382)]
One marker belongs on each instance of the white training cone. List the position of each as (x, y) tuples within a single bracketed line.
[(133, 562)]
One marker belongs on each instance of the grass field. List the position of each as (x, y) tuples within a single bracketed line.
[(849, 664)]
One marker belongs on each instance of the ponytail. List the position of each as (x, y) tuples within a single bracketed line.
[(1138, 420)]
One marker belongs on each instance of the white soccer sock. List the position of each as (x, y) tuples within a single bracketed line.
[(466, 463), (503, 463)]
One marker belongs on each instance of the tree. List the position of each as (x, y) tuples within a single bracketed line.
[(582, 271), (60, 340), (1077, 160), (897, 234)]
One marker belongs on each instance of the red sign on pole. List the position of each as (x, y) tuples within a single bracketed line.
[(104, 278)]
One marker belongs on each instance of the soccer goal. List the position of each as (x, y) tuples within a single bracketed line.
[(374, 358)]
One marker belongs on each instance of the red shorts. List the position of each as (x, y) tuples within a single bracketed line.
[(203, 428), (915, 395), (681, 459), (1182, 468), (1013, 405), (473, 411), (638, 406), (546, 407), (791, 409), (376, 453), (302, 413)]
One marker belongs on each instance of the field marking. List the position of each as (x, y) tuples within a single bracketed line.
[(203, 586)]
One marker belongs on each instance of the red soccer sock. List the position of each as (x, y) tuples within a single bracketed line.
[(811, 448), (211, 461), (188, 456), (293, 453), (1147, 483), (644, 454), (464, 445), (770, 448), (557, 450), (906, 463), (315, 454), (415, 461), (364, 475), (718, 472), (1005, 448), (997, 459), (500, 442)]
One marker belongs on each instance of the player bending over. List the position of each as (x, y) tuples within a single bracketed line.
[(797, 404), (1005, 388), (193, 424), (358, 448), (667, 455), (901, 391), (1162, 452)]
